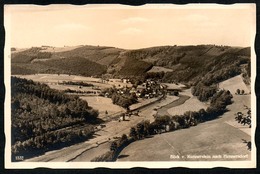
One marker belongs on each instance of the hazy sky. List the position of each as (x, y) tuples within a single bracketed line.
[(129, 27)]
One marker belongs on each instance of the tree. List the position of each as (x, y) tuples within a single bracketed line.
[(140, 130), (176, 93), (15, 104), (133, 133), (123, 139), (162, 121), (245, 119), (238, 91), (147, 127), (28, 108), (202, 115), (122, 116), (113, 146), (182, 123), (242, 92)]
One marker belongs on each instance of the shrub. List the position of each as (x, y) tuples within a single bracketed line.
[(106, 157), (113, 146), (133, 133)]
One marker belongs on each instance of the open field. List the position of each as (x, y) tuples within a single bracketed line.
[(174, 86), (159, 69), (118, 83), (162, 111), (142, 102), (186, 102), (214, 137), (103, 104), (60, 49), (233, 84), (55, 78), (192, 104), (72, 87), (58, 78), (19, 50)]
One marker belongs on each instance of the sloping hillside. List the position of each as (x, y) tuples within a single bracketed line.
[(233, 84), (189, 64), (134, 67), (28, 55), (101, 55), (45, 119), (76, 65), (73, 65)]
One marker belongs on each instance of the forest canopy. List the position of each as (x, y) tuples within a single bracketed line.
[(43, 118)]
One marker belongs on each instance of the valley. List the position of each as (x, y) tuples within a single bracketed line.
[(186, 94)]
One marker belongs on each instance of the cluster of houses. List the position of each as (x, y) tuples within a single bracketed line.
[(148, 89)]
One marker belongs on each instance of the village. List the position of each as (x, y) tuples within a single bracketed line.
[(114, 98)]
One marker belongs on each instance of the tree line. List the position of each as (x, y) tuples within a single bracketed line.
[(190, 118), (81, 83)]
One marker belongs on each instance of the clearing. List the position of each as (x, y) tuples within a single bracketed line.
[(185, 102), (233, 84), (60, 49), (103, 104), (192, 104), (55, 78), (159, 69), (174, 85)]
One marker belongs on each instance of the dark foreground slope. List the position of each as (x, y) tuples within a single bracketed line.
[(189, 63), (44, 119)]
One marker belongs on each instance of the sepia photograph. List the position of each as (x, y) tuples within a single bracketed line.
[(120, 86)]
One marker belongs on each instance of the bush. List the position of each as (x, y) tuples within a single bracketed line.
[(113, 146), (106, 157)]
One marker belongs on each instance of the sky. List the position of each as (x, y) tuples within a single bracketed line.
[(129, 27)]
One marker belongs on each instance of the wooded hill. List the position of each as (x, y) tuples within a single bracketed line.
[(189, 63), (44, 119)]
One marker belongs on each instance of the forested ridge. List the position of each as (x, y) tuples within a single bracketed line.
[(189, 64), (43, 118), (28, 55)]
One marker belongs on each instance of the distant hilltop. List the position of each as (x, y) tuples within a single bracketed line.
[(178, 63)]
